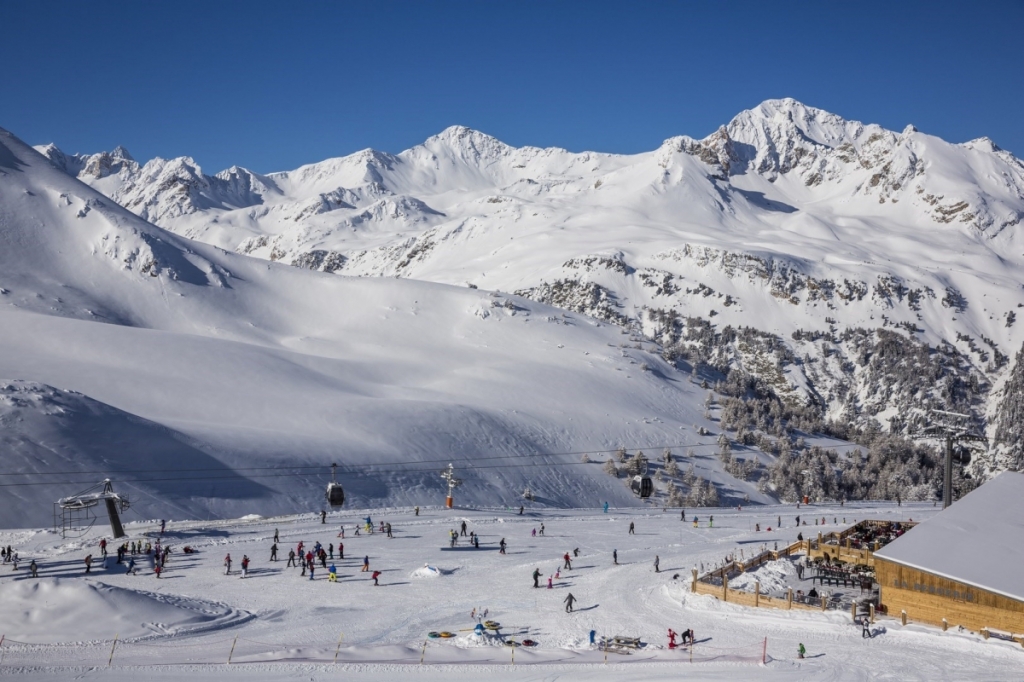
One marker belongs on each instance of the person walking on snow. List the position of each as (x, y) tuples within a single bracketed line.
[(273, 552), (501, 546), (245, 566), (312, 569), (683, 515), (549, 583), (332, 574), (657, 562), (323, 516), (865, 629), (463, 533), (605, 507), (541, 530), (103, 548), (227, 565), (277, 537), (567, 564), (34, 567), (291, 558), (131, 565), (569, 601), (631, 528), (163, 526), (366, 564), (615, 557), (375, 575), (536, 577), (341, 550), (800, 651)]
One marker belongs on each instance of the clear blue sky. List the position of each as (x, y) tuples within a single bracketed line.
[(270, 87)]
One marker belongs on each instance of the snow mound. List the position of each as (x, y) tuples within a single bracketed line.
[(428, 571), (773, 576), (59, 610)]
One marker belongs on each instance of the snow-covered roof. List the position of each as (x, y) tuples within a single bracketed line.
[(979, 540)]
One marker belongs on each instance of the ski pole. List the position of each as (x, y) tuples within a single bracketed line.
[(111, 659), (336, 651)]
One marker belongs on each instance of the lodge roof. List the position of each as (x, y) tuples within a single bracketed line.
[(978, 540)]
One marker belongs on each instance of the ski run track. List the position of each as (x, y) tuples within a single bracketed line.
[(276, 624)]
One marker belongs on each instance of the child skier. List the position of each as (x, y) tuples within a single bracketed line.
[(375, 575)]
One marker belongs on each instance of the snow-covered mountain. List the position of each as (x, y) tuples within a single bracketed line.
[(183, 368), (864, 271)]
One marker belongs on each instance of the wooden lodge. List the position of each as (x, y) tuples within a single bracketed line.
[(963, 567)]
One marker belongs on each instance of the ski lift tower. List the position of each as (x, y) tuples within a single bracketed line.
[(80, 508), (954, 428), (449, 476)]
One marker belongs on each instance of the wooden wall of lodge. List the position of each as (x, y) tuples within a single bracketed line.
[(928, 598)]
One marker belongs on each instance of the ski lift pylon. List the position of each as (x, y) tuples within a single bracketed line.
[(72, 506), (335, 493)]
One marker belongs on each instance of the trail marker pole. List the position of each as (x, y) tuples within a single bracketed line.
[(513, 652), (112, 646), (232, 652), (336, 651), (423, 653), (764, 652), (2, 652)]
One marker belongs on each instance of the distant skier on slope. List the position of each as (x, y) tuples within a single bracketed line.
[(375, 575), (501, 546), (536, 577), (227, 565), (569, 601)]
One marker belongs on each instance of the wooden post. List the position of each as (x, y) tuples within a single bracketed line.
[(338, 650), (824, 602), (725, 586), (757, 593), (513, 652), (984, 631), (112, 646), (764, 652), (853, 611), (945, 625), (232, 652), (903, 617), (424, 652), (789, 599), (871, 613), (694, 586), (819, 539)]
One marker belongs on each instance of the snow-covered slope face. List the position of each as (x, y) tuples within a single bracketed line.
[(789, 220), (183, 356)]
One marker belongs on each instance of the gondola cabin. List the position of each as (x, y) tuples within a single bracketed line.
[(335, 493), (642, 486)]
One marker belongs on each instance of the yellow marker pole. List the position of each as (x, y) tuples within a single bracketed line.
[(336, 651), (424, 652), (112, 646), (232, 652)]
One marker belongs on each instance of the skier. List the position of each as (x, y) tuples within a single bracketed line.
[(476, 541), (501, 546), (34, 567), (330, 550), (549, 582), (157, 569), (312, 569), (245, 566), (569, 601), (615, 557), (277, 537), (541, 529), (417, 511), (463, 533), (520, 510), (567, 564), (576, 552), (711, 522), (533, 533), (227, 565), (103, 548), (631, 528), (332, 574), (163, 526), (388, 528), (366, 564), (273, 552), (536, 577), (687, 636), (657, 564), (682, 514), (671, 639), (605, 507), (341, 532), (88, 563), (375, 575), (800, 651), (323, 516), (341, 550), (291, 558), (131, 565), (865, 629)]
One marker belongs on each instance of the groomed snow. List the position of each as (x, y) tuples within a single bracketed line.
[(297, 623), (979, 540)]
